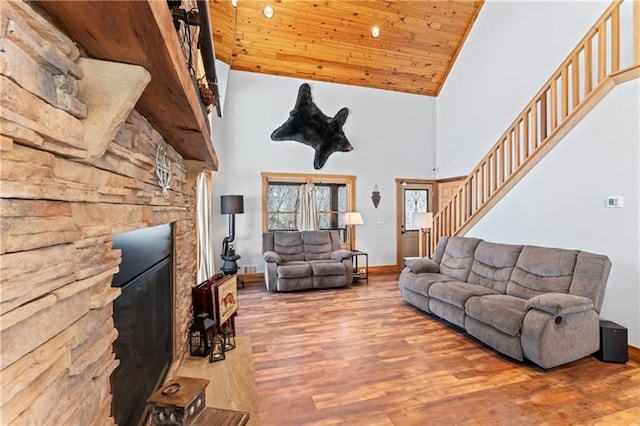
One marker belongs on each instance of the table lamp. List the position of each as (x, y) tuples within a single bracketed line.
[(351, 219), (424, 222)]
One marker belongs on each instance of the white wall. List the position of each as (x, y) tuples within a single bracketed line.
[(512, 49), (393, 135), (561, 202)]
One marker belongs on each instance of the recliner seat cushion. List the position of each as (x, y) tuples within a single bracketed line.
[(457, 292), (288, 245), (458, 257), (492, 265), (420, 283), (502, 312), (297, 269), (542, 270), (327, 268)]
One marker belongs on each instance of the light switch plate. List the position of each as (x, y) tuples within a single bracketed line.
[(615, 201)]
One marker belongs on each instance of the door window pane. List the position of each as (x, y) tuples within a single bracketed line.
[(415, 201)]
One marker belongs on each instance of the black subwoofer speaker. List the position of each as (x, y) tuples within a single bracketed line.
[(613, 342)]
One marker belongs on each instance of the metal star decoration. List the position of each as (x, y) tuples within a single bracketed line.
[(308, 125)]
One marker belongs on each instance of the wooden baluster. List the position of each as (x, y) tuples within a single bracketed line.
[(525, 133), (602, 51), (534, 125), (494, 170), (636, 33), (565, 91), (554, 103), (588, 70), (458, 198), (575, 81), (468, 201), (516, 141), (615, 39), (482, 177), (509, 155), (543, 116)]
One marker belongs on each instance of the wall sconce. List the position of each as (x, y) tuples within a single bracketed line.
[(375, 196)]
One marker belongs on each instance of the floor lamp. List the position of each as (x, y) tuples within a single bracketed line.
[(351, 219), (231, 205), (424, 221)]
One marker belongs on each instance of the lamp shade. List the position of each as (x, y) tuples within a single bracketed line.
[(353, 218), (231, 204), (423, 220)]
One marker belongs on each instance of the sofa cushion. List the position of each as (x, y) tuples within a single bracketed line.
[(317, 245), (439, 251), (503, 312), (542, 270), (420, 283), (321, 268), (288, 245), (295, 269), (590, 277), (458, 257), (422, 264), (457, 292), (492, 265)]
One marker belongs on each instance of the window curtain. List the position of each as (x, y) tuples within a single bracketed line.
[(307, 218), (204, 225)]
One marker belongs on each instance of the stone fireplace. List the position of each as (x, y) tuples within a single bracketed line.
[(62, 198)]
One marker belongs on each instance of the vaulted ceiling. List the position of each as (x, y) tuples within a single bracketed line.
[(330, 40)]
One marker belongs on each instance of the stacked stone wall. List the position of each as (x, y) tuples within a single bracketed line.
[(58, 214)]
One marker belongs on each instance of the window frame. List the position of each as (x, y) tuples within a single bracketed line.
[(317, 179)]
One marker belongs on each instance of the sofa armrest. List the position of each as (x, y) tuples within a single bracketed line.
[(340, 255), (559, 303), (422, 264), (271, 256)]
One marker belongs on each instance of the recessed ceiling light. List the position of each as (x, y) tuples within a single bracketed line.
[(268, 11), (375, 31)]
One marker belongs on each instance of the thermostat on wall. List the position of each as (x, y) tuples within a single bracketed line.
[(615, 201)]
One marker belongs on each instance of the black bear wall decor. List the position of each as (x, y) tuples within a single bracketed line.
[(308, 125)]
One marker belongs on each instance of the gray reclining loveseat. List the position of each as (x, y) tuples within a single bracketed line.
[(302, 260), (529, 302)]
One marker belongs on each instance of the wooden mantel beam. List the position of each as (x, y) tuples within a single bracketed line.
[(142, 33)]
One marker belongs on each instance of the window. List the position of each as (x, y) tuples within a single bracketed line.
[(334, 196), (415, 201)]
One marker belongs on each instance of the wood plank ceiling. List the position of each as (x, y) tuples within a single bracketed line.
[(331, 40)]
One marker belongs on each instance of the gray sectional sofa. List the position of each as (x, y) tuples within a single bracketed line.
[(529, 302), (303, 260)]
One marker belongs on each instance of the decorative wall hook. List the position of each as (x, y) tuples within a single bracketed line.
[(163, 168), (375, 196)]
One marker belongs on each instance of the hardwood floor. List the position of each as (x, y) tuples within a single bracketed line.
[(362, 356)]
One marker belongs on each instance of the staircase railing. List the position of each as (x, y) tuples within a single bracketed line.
[(590, 71)]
